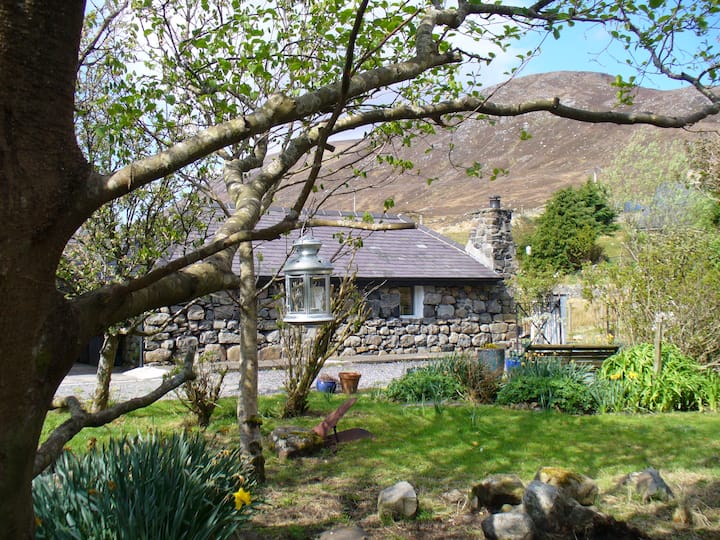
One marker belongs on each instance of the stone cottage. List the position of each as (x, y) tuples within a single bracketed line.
[(429, 294)]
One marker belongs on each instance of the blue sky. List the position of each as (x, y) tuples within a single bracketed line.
[(580, 48), (588, 49)]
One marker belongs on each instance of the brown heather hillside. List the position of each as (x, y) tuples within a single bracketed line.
[(559, 153)]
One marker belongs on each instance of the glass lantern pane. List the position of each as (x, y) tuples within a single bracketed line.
[(296, 294), (317, 296)]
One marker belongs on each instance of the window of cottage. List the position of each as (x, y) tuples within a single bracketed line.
[(411, 301)]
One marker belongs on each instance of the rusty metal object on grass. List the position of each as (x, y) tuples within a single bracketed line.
[(327, 429)]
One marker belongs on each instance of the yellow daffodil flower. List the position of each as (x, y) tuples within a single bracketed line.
[(241, 497)]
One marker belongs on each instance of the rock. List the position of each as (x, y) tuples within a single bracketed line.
[(208, 336), (157, 319), (574, 485), (195, 313), (552, 511), (215, 353), (650, 485), (515, 525), (290, 442), (225, 312), (185, 343), (398, 501), (226, 337), (456, 497), (158, 356), (432, 299), (233, 353), (495, 491), (344, 533), (273, 352)]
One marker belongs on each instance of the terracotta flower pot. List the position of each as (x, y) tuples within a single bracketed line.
[(349, 381)]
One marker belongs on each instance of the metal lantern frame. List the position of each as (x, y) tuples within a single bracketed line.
[(307, 284)]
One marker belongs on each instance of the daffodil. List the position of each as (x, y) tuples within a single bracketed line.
[(241, 497), (615, 376)]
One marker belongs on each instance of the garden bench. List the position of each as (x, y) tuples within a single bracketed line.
[(592, 355), (327, 429)]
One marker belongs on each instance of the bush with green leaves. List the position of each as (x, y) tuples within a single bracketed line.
[(551, 384), (149, 487), (424, 384), (452, 377), (566, 232), (674, 272), (681, 385)]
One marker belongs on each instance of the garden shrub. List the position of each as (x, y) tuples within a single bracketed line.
[(551, 384), (148, 487), (682, 384), (452, 377), (424, 384), (478, 381), (200, 395)]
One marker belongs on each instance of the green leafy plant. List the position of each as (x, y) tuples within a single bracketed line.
[(149, 487), (424, 384), (681, 384), (609, 396), (452, 377), (551, 384)]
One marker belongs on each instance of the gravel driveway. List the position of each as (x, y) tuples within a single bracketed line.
[(136, 382)]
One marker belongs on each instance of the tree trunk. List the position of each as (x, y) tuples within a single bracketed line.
[(41, 172), (247, 405), (106, 363), (36, 350)]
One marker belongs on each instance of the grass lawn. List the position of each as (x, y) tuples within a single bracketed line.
[(439, 450)]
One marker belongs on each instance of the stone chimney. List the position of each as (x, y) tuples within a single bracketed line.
[(491, 240)]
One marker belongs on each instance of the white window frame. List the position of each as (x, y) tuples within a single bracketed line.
[(418, 299)]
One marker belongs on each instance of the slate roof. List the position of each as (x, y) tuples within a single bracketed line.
[(405, 255)]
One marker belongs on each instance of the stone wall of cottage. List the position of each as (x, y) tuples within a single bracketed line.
[(455, 319)]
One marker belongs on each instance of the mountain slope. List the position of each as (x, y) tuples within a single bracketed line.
[(558, 153)]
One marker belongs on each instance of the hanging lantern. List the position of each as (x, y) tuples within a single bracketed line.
[(307, 284)]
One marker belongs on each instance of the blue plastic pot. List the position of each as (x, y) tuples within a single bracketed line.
[(511, 364), (326, 386)]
